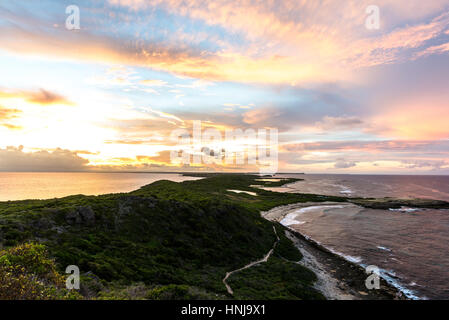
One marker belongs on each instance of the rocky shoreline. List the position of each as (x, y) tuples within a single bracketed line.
[(338, 278)]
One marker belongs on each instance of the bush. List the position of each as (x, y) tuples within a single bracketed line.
[(26, 273)]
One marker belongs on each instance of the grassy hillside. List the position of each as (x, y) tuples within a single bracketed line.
[(166, 240)]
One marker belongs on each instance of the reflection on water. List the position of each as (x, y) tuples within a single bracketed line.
[(43, 185)]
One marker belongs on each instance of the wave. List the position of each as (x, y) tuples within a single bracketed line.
[(290, 219), (405, 209)]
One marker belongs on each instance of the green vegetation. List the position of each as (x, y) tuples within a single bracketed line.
[(285, 280), (26, 272)]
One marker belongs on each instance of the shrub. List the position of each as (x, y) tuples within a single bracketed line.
[(26, 273)]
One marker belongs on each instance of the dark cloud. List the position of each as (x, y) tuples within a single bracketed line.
[(343, 164), (15, 159), (433, 164), (339, 123)]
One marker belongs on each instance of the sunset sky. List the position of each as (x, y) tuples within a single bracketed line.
[(345, 99)]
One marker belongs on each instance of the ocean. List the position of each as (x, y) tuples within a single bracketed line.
[(409, 245), (46, 185)]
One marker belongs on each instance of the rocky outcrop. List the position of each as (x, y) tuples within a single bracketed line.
[(392, 203), (81, 215)]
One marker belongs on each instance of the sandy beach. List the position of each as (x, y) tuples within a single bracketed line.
[(338, 278)]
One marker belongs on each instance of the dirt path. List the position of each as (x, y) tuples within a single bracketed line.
[(252, 264)]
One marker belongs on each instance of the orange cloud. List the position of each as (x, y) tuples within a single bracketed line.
[(288, 43), (6, 114), (418, 120), (154, 83), (11, 126), (41, 96), (9, 114)]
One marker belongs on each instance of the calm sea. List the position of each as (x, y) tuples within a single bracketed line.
[(46, 185), (410, 246)]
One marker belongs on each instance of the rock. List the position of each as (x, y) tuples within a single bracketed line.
[(90, 285), (82, 215), (87, 215), (42, 224), (58, 230), (73, 217), (124, 209)]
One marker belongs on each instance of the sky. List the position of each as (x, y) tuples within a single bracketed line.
[(344, 98)]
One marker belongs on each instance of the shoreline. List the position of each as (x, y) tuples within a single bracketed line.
[(337, 277)]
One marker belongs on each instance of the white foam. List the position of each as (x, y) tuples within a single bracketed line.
[(391, 278), (345, 190), (384, 248), (290, 219), (405, 209)]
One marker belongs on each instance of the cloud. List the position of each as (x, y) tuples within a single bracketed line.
[(432, 164), (307, 30), (339, 123), (262, 115), (161, 157), (414, 118), (40, 96), (9, 114), (343, 164), (45, 97), (438, 49), (11, 126), (370, 146), (15, 159), (286, 42), (154, 83), (398, 155)]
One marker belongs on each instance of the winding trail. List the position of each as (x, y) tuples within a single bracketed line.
[(252, 264)]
